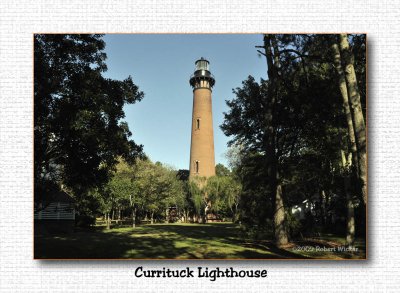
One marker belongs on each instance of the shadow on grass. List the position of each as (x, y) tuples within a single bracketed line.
[(104, 245), (159, 241)]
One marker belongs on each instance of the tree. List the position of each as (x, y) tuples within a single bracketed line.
[(186, 204), (264, 125), (292, 130), (356, 111), (156, 188), (230, 196), (214, 193), (123, 188), (274, 92), (105, 200), (78, 133), (221, 170), (235, 156), (256, 202), (223, 192), (198, 195), (176, 197), (347, 163)]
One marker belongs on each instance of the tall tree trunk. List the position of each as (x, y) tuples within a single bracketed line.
[(350, 223), (356, 110), (108, 221), (281, 237), (134, 217), (353, 159), (346, 106), (205, 214), (152, 217), (323, 206), (184, 216), (351, 226), (272, 56), (236, 213)]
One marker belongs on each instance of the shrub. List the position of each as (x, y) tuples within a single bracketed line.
[(85, 221)]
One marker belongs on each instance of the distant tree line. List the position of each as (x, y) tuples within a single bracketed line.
[(147, 191)]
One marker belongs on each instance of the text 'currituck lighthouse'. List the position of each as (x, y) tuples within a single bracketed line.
[(202, 161)]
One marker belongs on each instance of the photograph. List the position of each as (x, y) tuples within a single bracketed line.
[(200, 146)]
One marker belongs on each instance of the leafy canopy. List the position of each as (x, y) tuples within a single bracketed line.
[(78, 127)]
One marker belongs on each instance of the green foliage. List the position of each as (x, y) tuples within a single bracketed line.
[(78, 132), (294, 226), (309, 123), (148, 188), (256, 202), (213, 189), (221, 170), (223, 195), (197, 194)]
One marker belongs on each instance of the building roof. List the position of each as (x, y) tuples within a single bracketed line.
[(60, 196)]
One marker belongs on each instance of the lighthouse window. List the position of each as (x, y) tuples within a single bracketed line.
[(202, 64), (197, 123), (197, 166)]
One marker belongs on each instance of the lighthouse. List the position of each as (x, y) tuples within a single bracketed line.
[(202, 160)]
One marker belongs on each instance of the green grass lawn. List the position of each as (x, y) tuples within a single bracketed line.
[(170, 241)]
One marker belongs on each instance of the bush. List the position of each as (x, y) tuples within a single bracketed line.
[(85, 221), (293, 225), (257, 232)]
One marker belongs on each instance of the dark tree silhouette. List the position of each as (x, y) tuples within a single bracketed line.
[(78, 133)]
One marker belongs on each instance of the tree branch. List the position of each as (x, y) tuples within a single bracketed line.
[(261, 53), (301, 55)]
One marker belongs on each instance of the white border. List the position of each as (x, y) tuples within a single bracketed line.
[(18, 20)]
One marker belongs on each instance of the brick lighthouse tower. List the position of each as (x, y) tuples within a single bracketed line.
[(202, 161)]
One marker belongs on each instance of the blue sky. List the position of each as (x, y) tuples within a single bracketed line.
[(161, 64)]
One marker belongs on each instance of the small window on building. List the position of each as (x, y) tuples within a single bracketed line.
[(197, 166), (197, 123)]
